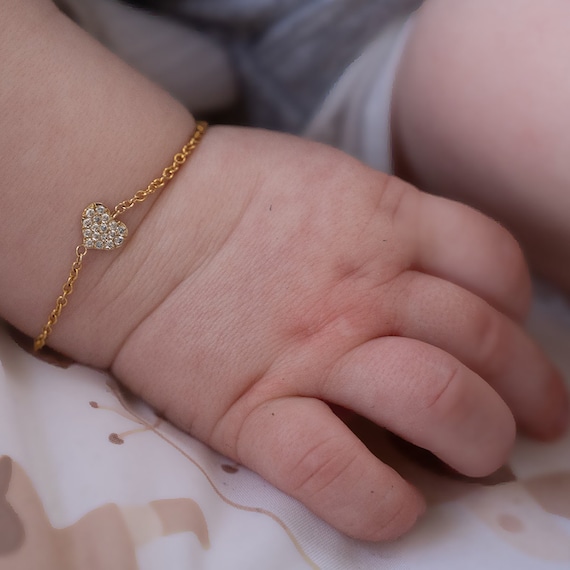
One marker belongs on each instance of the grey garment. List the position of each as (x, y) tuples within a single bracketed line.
[(287, 53)]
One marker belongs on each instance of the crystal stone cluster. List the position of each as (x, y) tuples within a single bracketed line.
[(100, 230)]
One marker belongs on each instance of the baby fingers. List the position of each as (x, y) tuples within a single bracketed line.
[(299, 445), (458, 244), (428, 397), (440, 313)]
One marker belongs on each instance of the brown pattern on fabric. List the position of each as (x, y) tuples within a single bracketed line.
[(105, 538), (552, 492)]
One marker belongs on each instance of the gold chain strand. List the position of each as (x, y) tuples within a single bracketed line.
[(168, 173), (80, 253), (101, 229)]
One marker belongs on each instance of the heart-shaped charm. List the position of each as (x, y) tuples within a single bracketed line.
[(100, 230)]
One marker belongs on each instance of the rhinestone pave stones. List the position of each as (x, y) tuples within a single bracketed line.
[(100, 230)]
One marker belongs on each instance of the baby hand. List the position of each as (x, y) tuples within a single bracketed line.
[(276, 276)]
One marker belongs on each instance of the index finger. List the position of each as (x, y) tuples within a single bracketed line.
[(454, 242)]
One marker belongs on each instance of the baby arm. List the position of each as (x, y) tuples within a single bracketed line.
[(273, 276)]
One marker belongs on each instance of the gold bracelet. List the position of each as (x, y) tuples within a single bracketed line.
[(101, 229)]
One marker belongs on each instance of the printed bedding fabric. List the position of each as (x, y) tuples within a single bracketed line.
[(91, 479)]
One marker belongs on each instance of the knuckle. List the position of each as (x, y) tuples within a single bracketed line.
[(515, 273), (394, 199), (327, 467), (443, 396), (490, 340)]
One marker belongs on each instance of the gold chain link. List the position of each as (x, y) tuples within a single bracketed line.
[(80, 251), (167, 174)]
